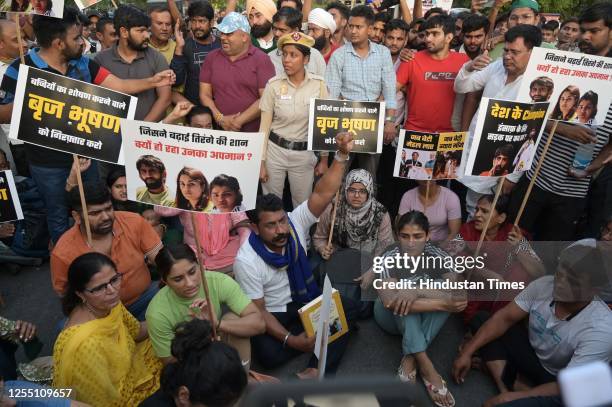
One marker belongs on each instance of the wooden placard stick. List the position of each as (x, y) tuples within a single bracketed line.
[(83, 201), (536, 172), (19, 39), (211, 312), (333, 219), (488, 222), (427, 194)]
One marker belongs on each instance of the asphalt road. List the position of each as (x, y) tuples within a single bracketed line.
[(371, 353)]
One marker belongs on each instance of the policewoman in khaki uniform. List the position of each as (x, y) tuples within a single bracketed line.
[(284, 121)]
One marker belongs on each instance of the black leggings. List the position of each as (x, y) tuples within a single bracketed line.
[(513, 347)]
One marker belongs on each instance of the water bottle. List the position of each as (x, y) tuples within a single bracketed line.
[(584, 156)]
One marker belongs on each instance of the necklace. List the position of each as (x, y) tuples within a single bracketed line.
[(93, 311)]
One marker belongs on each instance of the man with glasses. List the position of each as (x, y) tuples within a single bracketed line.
[(191, 52), (126, 238), (501, 80)]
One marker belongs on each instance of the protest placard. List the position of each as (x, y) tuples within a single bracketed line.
[(83, 4), (425, 156), (10, 208), (505, 138), (68, 115), (576, 85), (50, 8), (189, 160), (365, 120), (446, 5)]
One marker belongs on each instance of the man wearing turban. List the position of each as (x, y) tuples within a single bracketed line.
[(260, 13)]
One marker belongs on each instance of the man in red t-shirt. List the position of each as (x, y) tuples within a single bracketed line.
[(428, 79)]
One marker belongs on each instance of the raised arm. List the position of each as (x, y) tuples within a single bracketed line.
[(135, 86)]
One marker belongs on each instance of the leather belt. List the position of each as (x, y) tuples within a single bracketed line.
[(289, 145)]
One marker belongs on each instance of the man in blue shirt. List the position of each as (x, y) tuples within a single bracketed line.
[(363, 71)]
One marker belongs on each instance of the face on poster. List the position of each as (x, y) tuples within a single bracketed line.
[(505, 138), (191, 169), (426, 156), (68, 115), (578, 86), (364, 120), (10, 207), (50, 8)]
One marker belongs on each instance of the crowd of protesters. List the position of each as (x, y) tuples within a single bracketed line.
[(144, 325)]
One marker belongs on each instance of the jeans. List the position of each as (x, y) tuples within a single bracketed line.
[(418, 330), (139, 307), (51, 184), (271, 353)]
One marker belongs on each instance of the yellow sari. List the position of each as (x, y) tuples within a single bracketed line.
[(103, 364)]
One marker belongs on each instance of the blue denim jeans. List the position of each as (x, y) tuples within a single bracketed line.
[(418, 330), (51, 183), (139, 307)]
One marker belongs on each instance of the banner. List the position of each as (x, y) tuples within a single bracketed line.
[(426, 156), (173, 166), (50, 8), (505, 138), (10, 208), (68, 115), (576, 85), (446, 5), (83, 4), (365, 120)]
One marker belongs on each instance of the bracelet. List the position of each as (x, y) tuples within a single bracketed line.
[(218, 117), (286, 338), (337, 157)]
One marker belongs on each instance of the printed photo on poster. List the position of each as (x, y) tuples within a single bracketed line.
[(50, 8), (426, 156), (365, 120), (10, 207), (506, 137), (577, 86), (446, 5), (178, 167), (68, 115)]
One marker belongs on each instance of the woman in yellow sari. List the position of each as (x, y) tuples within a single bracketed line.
[(103, 353)]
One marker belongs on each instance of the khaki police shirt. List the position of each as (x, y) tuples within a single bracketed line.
[(290, 105)]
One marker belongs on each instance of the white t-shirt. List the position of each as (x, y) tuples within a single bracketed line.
[(260, 280), (585, 338)]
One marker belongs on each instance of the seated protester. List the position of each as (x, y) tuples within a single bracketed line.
[(197, 116), (442, 209), (183, 298), (103, 353), (127, 238), (417, 315), (505, 250), (273, 270), (362, 223), (204, 372), (568, 326)]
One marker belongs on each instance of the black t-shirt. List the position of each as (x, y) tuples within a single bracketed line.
[(158, 399)]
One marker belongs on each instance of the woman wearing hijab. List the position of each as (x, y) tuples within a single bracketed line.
[(362, 222)]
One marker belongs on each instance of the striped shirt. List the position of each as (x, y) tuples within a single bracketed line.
[(352, 77), (553, 176)]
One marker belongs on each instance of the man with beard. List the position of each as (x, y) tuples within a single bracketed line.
[(416, 36), (541, 89), (273, 270), (381, 20), (131, 57), (321, 26), (161, 31), (233, 78), (191, 52), (61, 53), (260, 13), (458, 38), (501, 161), (152, 172), (568, 35), (340, 12), (287, 21), (125, 237), (428, 78)]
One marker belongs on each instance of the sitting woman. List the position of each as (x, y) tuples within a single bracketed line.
[(183, 298), (192, 191), (441, 207), (205, 372), (362, 222), (103, 352), (417, 315)]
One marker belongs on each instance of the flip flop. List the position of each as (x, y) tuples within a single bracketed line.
[(409, 377), (431, 389)]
